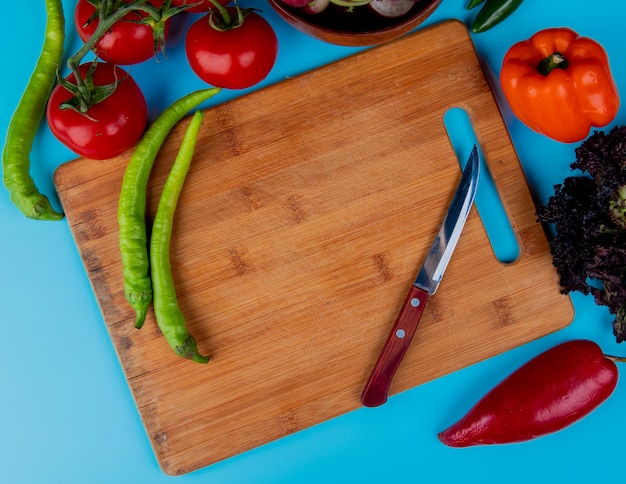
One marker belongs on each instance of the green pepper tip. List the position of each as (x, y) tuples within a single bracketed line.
[(189, 350), (140, 317)]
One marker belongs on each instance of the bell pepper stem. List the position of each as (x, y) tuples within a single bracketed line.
[(617, 359), (555, 60)]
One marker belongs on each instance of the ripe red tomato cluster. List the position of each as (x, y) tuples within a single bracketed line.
[(234, 58), (126, 42)]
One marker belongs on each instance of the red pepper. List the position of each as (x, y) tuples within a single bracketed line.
[(560, 84), (550, 392)]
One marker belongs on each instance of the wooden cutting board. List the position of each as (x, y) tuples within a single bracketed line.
[(307, 212)]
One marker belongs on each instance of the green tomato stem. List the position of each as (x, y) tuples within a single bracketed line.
[(223, 12)]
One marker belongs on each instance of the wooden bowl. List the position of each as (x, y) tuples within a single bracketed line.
[(362, 27)]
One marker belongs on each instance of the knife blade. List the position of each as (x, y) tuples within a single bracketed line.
[(425, 285)]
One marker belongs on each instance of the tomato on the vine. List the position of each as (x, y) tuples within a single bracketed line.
[(203, 7), (109, 127), (233, 58), (127, 41)]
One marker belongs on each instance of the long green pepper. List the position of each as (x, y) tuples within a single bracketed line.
[(474, 3), (132, 203), (168, 314), (492, 13), (26, 119)]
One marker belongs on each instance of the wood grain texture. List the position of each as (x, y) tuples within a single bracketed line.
[(307, 211)]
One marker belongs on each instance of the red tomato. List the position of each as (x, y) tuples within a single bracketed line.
[(127, 42), (235, 58), (111, 126), (204, 7)]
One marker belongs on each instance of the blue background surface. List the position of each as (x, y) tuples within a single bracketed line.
[(66, 412)]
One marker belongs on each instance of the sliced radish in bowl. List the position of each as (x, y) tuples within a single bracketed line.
[(314, 7), (391, 8), (296, 3)]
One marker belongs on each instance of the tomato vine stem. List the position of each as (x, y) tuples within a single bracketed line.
[(110, 12), (225, 21)]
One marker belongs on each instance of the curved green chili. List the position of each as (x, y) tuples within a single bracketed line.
[(132, 203), (492, 13), (166, 309), (26, 118), (474, 3)]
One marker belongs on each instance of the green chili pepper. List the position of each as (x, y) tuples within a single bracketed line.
[(166, 309), (132, 203), (492, 13), (26, 118), (474, 3)]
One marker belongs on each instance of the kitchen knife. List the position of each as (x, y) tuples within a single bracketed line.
[(425, 285)]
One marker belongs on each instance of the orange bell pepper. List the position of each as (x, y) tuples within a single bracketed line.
[(560, 84)]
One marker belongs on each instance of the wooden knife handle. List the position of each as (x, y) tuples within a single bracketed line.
[(400, 336)]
